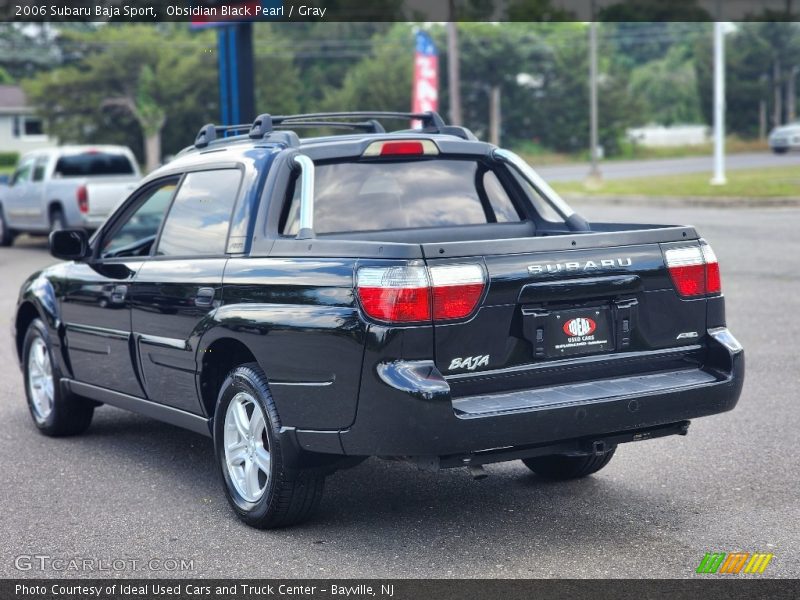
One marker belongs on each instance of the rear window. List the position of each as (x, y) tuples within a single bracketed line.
[(88, 164), (369, 196)]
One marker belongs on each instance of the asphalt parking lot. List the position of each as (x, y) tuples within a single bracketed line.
[(136, 489)]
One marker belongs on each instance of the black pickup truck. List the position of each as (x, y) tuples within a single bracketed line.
[(416, 294)]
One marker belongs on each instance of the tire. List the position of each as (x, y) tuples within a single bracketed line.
[(561, 467), (57, 221), (780, 150), (6, 235), (276, 494), (55, 412)]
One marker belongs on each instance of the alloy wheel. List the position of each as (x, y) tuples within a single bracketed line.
[(247, 456), (40, 380)]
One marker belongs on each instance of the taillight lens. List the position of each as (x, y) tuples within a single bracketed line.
[(395, 294), (456, 290), (407, 294), (694, 270), (82, 196), (393, 148), (713, 280)]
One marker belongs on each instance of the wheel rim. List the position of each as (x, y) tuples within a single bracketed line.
[(40, 380), (247, 456)]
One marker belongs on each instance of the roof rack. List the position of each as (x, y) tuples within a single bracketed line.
[(265, 124)]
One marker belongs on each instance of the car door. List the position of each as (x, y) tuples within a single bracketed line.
[(180, 287), (37, 203), (17, 205), (95, 295)]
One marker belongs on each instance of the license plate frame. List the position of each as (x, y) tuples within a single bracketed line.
[(579, 331)]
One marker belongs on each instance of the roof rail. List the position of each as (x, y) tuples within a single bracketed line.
[(429, 119), (265, 123)]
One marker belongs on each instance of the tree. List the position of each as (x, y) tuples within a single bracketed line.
[(758, 61), (381, 81), (127, 81), (667, 89)]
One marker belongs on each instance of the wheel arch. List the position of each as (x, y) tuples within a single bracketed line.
[(52, 205), (26, 314), (37, 301), (217, 358)]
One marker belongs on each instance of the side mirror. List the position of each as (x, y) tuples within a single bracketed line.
[(69, 244)]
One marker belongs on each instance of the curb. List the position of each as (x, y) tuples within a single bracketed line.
[(693, 201)]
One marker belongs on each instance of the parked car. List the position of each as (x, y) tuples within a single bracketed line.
[(69, 186), (417, 294), (784, 138)]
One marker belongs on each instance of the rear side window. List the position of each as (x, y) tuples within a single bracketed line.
[(369, 196), (91, 163), (198, 221)]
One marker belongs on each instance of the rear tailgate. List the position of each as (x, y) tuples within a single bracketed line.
[(565, 309), (104, 194)]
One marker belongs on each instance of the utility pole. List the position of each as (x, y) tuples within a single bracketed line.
[(495, 118), (791, 96), (777, 109), (453, 74), (594, 172), (719, 102)]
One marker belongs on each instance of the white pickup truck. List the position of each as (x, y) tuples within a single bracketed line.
[(68, 186)]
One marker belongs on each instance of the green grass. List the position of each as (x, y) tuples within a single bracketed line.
[(747, 183), (539, 156), (6, 170)]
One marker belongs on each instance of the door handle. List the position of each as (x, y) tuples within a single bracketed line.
[(204, 297)]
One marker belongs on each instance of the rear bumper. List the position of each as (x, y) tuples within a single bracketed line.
[(406, 409)]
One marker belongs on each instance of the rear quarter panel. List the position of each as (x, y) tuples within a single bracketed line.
[(300, 319)]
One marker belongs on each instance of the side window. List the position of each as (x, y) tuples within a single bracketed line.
[(502, 205), (23, 172), (197, 223), (39, 167), (135, 234)]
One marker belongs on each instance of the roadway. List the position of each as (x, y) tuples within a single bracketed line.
[(623, 169), (134, 488)]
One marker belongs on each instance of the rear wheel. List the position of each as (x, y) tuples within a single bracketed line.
[(57, 221), (6, 234), (264, 491), (563, 466), (55, 412), (780, 150)]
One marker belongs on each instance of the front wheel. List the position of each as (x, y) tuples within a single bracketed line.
[(783, 150), (7, 235), (55, 411), (264, 491), (564, 466)]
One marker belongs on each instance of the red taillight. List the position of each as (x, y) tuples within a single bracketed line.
[(694, 270), (389, 148), (456, 290), (82, 195), (406, 294), (713, 281), (395, 294), (402, 148)]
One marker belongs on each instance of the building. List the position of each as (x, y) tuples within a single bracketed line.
[(20, 129), (675, 135)]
